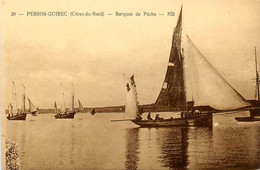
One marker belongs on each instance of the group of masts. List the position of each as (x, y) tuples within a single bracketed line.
[(20, 114)]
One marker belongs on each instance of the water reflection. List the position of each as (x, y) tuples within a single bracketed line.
[(22, 148), (72, 148), (173, 143), (84, 145), (132, 147), (172, 147)]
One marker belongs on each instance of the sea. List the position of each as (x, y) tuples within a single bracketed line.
[(94, 142)]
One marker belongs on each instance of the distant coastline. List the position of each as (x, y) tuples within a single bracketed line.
[(121, 109)]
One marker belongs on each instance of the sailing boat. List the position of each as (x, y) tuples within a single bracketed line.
[(63, 114), (209, 88), (255, 111), (18, 114), (81, 108), (32, 109)]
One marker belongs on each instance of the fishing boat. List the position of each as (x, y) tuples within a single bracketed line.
[(209, 89), (32, 109), (255, 111), (247, 119), (14, 112), (64, 114)]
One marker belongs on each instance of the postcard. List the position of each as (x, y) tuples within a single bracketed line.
[(130, 84)]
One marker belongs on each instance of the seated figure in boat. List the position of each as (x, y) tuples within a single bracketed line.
[(149, 116), (138, 117), (157, 117), (186, 114)]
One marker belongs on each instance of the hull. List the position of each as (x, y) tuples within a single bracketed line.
[(247, 119), (93, 112), (34, 113), (193, 121), (255, 112), (18, 117), (65, 116)]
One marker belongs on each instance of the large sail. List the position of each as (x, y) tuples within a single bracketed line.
[(81, 108), (173, 90), (32, 107), (131, 105), (209, 87)]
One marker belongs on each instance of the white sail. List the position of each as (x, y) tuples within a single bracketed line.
[(63, 106), (131, 105), (14, 99), (81, 108), (23, 99), (32, 107), (209, 87)]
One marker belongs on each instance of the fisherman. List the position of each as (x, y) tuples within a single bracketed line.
[(149, 116), (182, 114), (157, 117), (138, 117)]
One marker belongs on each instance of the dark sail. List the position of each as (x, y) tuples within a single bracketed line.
[(173, 90)]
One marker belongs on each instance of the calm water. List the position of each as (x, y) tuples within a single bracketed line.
[(94, 142)]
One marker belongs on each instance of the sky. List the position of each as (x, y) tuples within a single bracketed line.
[(94, 52)]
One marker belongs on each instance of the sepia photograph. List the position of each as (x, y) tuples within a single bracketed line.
[(129, 84)]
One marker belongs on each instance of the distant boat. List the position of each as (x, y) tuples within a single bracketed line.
[(32, 109), (247, 119), (210, 89), (254, 111), (81, 108), (14, 112), (92, 111), (63, 114)]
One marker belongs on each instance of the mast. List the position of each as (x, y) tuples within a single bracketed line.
[(23, 99), (64, 102), (72, 102), (15, 97), (72, 99), (55, 107), (257, 77), (63, 97), (10, 106)]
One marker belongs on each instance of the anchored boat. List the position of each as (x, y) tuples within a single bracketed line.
[(14, 112), (63, 114), (256, 110)]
